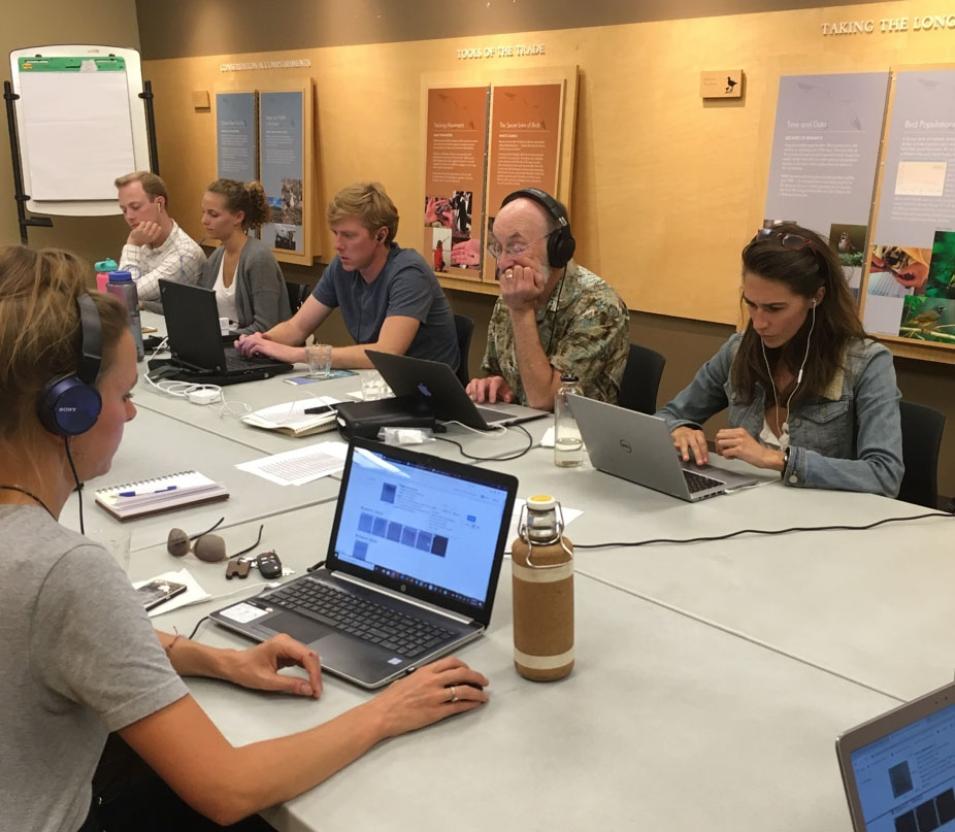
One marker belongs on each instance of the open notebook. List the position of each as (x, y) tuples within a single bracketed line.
[(130, 499)]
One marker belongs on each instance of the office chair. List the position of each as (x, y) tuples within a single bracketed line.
[(464, 327), (641, 380), (922, 429), (297, 293)]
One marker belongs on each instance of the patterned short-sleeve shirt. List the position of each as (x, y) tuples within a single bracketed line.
[(587, 334)]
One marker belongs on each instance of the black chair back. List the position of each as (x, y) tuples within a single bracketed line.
[(641, 379), (464, 327), (922, 429), (297, 293)]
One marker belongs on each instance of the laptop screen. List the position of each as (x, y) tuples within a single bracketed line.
[(428, 527), (905, 781)]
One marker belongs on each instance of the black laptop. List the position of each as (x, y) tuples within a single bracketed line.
[(411, 570), (195, 340), (436, 386)]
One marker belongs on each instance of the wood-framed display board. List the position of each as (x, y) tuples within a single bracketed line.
[(485, 135), (868, 159), (266, 132)]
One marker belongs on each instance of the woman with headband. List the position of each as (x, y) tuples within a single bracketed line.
[(809, 395)]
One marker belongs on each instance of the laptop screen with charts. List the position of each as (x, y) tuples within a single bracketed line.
[(411, 570), (195, 340), (639, 448), (899, 768), (436, 385)]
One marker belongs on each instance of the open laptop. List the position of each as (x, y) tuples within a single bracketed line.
[(436, 385), (639, 448), (899, 768), (195, 340), (411, 571)]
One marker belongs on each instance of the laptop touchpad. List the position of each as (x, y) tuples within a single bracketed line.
[(298, 627)]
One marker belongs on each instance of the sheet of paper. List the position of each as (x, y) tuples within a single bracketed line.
[(570, 514), (921, 178), (193, 595), (303, 465)]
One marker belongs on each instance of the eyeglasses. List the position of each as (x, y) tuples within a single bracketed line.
[(787, 239), (209, 547), (515, 249)]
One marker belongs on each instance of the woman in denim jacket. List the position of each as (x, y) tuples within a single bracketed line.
[(809, 395)]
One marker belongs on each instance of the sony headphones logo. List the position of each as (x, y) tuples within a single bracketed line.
[(67, 409)]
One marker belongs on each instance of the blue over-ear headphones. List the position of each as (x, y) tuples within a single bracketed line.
[(70, 404), (560, 242)]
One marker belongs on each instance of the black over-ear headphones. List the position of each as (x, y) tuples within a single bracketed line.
[(560, 242), (70, 404)]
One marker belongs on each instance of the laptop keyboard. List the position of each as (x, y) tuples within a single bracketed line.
[(699, 482), (361, 618), (234, 361)]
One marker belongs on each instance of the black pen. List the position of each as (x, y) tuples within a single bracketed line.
[(321, 408)]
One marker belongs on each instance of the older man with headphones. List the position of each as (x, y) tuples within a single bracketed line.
[(553, 316)]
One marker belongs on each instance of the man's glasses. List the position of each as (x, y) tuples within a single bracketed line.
[(515, 249)]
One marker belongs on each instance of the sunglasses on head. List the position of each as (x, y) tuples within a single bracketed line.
[(787, 239), (208, 547)]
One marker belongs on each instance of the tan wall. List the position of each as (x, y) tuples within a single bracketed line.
[(666, 188), (105, 22)]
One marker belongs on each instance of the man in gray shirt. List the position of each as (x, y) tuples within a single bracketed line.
[(390, 299)]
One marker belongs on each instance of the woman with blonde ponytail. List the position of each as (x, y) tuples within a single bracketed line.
[(249, 286)]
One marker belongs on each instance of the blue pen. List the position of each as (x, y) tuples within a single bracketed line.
[(143, 493)]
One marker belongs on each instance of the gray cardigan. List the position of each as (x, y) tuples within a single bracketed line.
[(261, 297)]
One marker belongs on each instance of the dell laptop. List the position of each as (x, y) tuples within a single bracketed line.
[(639, 448), (411, 570), (899, 768), (435, 384), (195, 340)]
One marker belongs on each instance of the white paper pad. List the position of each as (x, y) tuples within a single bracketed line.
[(303, 465), (193, 594), (292, 414), (570, 514)]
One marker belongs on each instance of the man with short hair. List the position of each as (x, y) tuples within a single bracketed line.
[(156, 247), (389, 297), (553, 317)]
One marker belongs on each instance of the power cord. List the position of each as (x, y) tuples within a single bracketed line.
[(499, 458), (769, 532)]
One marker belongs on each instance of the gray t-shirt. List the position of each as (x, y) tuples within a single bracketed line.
[(79, 659), (406, 287)]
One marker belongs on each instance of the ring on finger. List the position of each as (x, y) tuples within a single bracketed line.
[(454, 694)]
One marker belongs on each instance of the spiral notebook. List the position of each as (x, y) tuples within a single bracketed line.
[(131, 499)]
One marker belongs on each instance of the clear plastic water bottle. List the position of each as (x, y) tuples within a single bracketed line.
[(121, 284), (568, 443)]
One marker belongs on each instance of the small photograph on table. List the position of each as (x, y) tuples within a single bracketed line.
[(926, 318), (440, 248), (941, 275), (898, 271), (848, 242)]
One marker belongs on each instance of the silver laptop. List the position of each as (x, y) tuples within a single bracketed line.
[(411, 570), (899, 768), (436, 385), (639, 448)]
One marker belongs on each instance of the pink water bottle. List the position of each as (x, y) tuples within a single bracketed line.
[(103, 268)]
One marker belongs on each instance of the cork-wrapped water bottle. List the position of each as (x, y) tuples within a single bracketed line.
[(543, 587)]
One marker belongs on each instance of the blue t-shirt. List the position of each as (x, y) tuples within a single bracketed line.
[(406, 287)]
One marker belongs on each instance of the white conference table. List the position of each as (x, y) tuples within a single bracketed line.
[(155, 445), (724, 669), (871, 605), (665, 723)]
